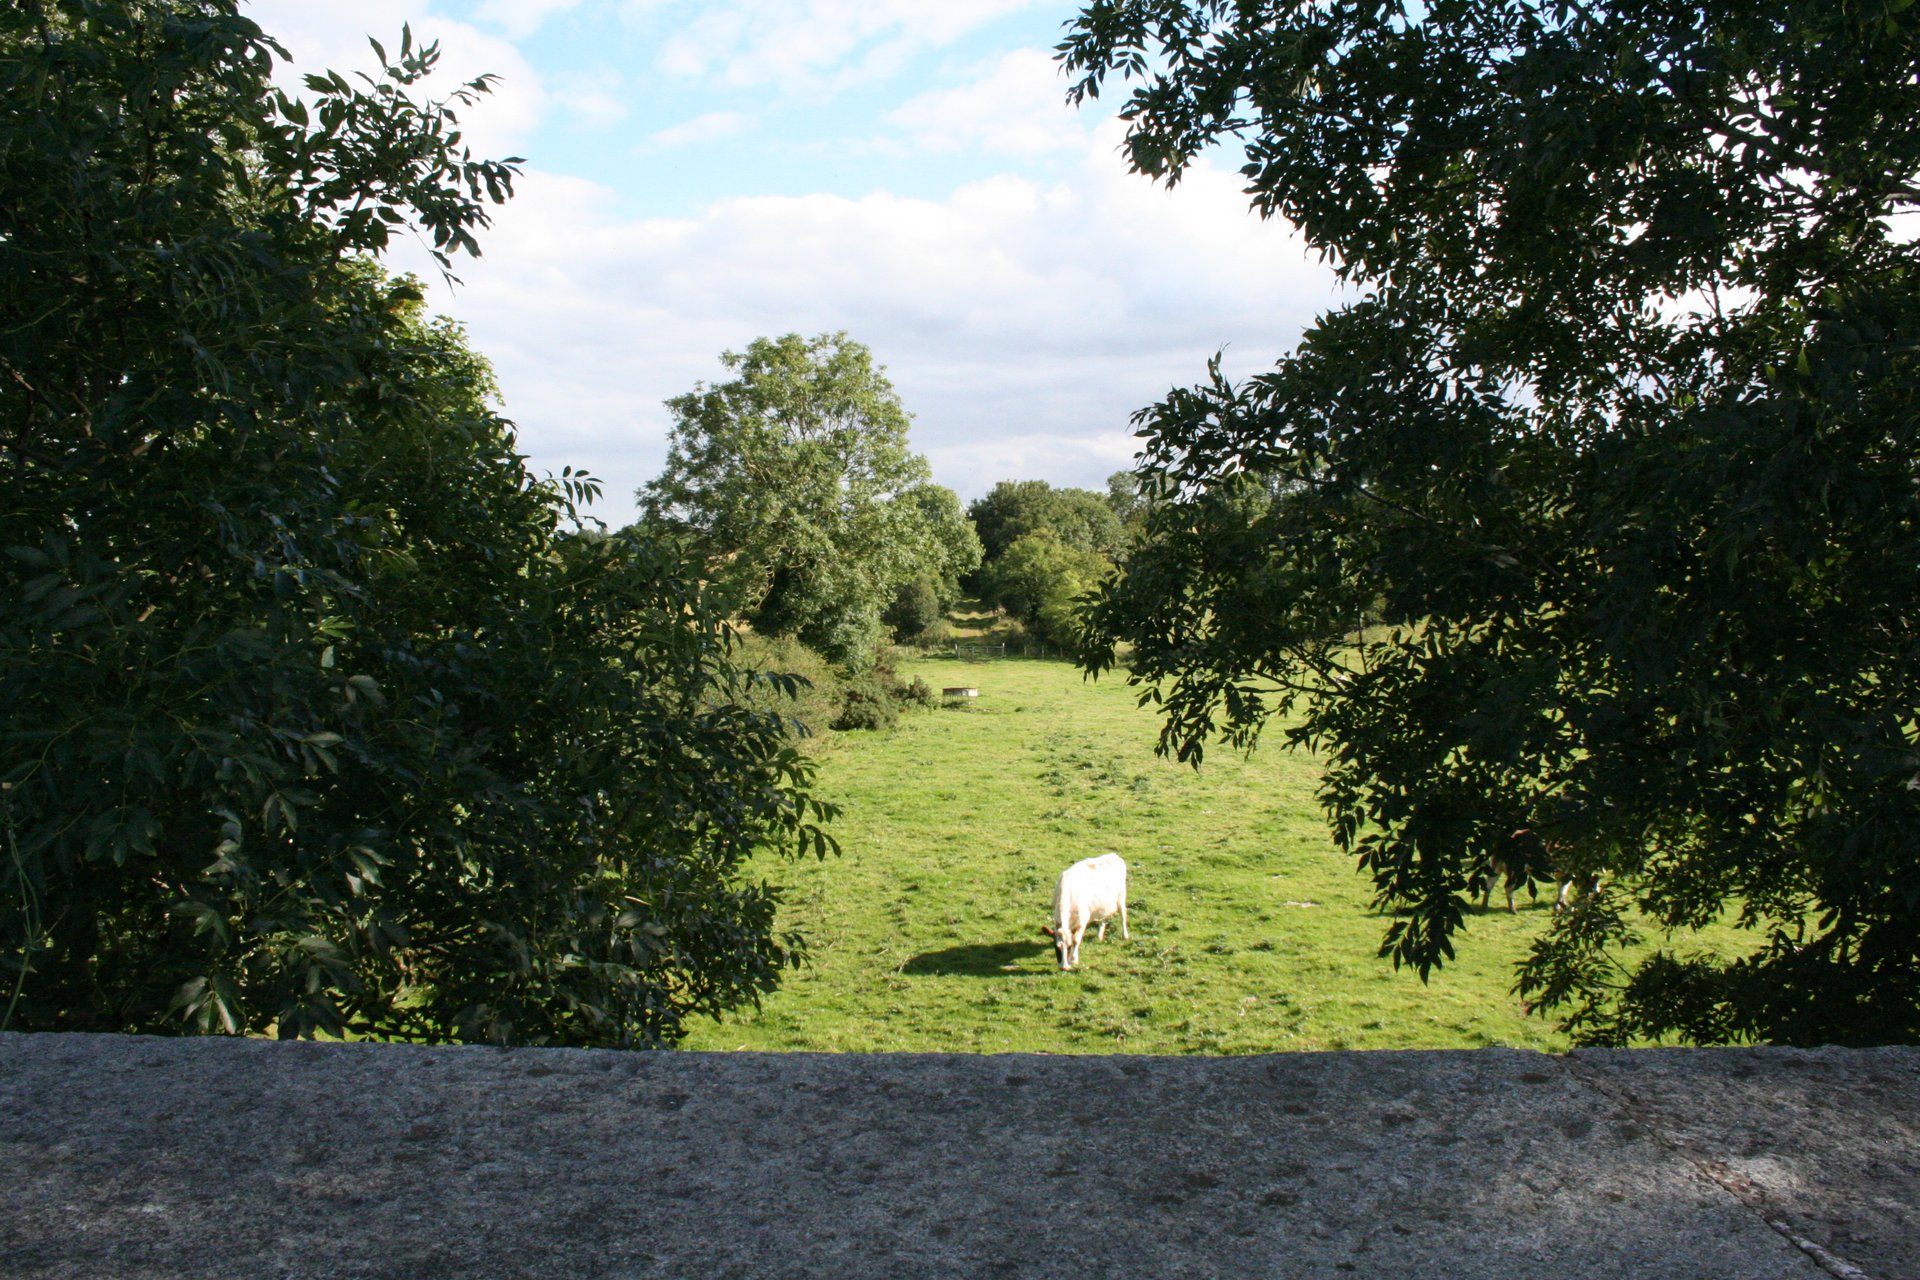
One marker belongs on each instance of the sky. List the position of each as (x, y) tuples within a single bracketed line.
[(701, 174)]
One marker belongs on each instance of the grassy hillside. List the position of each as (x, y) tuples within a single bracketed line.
[(1251, 933)]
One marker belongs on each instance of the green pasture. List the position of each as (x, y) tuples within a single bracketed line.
[(1251, 932)]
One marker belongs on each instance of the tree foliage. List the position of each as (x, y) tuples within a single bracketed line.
[(795, 479), (314, 716), (1013, 509), (1128, 502), (1589, 534), (1040, 580), (915, 607), (955, 546)]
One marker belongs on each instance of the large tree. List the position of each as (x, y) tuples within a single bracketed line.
[(953, 554), (954, 544), (1013, 509), (315, 717), (796, 481), (1588, 535)]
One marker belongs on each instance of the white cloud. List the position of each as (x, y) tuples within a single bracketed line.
[(1016, 106), (521, 18), (707, 128), (1022, 321), (1021, 324), (591, 100)]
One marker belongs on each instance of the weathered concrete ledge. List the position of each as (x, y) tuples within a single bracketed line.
[(126, 1156)]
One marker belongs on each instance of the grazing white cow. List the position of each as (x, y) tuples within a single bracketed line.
[(1091, 891)]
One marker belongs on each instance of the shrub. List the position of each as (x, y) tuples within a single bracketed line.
[(808, 707), (814, 696), (915, 608), (866, 703), (937, 635)]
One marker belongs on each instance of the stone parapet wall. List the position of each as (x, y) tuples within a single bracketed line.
[(126, 1156)]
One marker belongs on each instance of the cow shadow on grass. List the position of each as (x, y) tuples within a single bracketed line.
[(980, 960)]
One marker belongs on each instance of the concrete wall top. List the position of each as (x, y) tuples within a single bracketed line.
[(127, 1156)]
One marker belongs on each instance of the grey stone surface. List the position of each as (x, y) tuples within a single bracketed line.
[(144, 1157), (1826, 1145)]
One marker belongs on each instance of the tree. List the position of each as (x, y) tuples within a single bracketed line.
[(915, 607), (1040, 579), (955, 546), (1590, 530), (795, 480), (317, 716), (1013, 509), (1128, 504)]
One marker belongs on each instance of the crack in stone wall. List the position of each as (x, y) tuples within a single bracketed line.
[(1741, 1188)]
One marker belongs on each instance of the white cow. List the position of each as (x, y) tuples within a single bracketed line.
[(1091, 891)]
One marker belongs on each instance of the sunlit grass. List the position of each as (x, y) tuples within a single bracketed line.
[(1251, 932)]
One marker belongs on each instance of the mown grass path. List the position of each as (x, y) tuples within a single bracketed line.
[(1251, 932)]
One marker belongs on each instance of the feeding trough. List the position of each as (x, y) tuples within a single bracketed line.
[(955, 693)]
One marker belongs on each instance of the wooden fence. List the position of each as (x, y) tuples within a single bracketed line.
[(980, 651)]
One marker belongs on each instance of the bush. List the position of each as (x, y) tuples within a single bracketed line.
[(810, 703), (936, 635), (867, 703), (915, 608), (1058, 623), (813, 696)]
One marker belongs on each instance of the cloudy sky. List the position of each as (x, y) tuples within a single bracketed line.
[(701, 174)]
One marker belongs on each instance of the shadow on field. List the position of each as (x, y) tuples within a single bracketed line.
[(988, 960)]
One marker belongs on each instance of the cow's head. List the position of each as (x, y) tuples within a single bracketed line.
[(1063, 946)]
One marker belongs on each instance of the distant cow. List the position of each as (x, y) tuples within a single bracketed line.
[(1091, 891), (1584, 886), (1509, 875), (1524, 856), (1513, 862)]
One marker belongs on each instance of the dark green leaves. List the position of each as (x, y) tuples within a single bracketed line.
[(317, 713), (1596, 519)]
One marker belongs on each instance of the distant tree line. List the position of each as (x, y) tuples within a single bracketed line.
[(1046, 549), (794, 483)]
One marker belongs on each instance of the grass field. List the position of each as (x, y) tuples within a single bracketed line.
[(1251, 932)]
